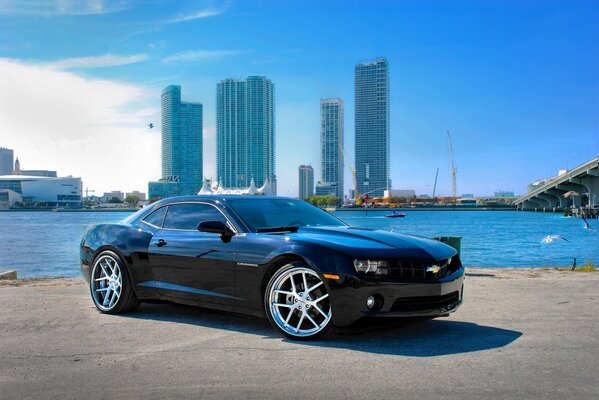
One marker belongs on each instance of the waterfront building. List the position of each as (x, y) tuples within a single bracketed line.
[(6, 161), (306, 181), (504, 194), (39, 189), (327, 189), (32, 172), (182, 155), (163, 188), (372, 147), (245, 132), (331, 146), (107, 196)]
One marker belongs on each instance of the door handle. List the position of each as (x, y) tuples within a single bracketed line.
[(161, 242)]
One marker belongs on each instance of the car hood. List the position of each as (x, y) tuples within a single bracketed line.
[(363, 242)]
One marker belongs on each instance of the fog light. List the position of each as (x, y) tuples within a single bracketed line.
[(370, 302), (374, 302)]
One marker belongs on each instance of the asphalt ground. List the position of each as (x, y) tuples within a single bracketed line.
[(521, 334)]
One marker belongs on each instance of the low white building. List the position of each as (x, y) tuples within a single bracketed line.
[(402, 193), (40, 189)]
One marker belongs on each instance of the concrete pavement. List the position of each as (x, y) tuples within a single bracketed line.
[(529, 334)]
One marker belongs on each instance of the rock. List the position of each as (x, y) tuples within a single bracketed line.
[(8, 275)]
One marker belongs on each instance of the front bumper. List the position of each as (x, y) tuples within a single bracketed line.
[(399, 299)]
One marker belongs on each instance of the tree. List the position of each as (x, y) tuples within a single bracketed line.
[(115, 200), (132, 200), (323, 201)]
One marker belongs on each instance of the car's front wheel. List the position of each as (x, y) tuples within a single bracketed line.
[(297, 302), (109, 285)]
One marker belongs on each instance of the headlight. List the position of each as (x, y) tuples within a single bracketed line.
[(372, 266)]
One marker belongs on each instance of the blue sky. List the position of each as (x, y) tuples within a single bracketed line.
[(515, 82)]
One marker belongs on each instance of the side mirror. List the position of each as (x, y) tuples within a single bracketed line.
[(217, 227)]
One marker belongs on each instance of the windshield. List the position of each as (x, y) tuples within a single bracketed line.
[(260, 214)]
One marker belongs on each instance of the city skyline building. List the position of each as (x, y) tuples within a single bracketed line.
[(306, 181), (6, 161), (331, 145), (245, 132), (372, 146), (182, 153)]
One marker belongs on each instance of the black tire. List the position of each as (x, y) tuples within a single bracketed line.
[(109, 279), (287, 303)]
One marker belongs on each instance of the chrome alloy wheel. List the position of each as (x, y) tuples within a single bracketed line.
[(299, 303), (106, 282)]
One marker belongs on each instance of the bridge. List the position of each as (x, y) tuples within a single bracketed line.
[(584, 180)]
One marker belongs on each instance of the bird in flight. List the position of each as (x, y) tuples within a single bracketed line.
[(150, 125), (550, 238), (571, 193), (587, 226)]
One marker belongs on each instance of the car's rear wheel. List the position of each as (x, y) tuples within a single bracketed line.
[(297, 302), (109, 285)]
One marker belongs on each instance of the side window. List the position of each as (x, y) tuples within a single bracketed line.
[(189, 216), (156, 217)]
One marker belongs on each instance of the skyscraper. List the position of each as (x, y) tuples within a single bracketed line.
[(306, 181), (372, 127), (245, 132), (331, 144), (6, 161), (182, 168)]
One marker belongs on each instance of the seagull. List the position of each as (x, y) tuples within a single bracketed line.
[(550, 238), (571, 193), (587, 226), (150, 125)]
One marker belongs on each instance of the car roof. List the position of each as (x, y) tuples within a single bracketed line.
[(216, 198)]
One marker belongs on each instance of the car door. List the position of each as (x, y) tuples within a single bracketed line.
[(192, 265)]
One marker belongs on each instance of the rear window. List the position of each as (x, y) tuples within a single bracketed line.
[(156, 217), (189, 216)]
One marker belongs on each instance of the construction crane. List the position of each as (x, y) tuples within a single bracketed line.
[(87, 191), (454, 171), (353, 173)]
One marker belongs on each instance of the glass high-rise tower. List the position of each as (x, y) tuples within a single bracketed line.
[(372, 127), (245, 132), (331, 144), (6, 161), (182, 154), (306, 181)]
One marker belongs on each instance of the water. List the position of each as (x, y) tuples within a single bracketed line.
[(47, 243)]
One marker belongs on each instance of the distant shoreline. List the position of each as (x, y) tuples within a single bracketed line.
[(434, 208), (353, 209), (72, 209)]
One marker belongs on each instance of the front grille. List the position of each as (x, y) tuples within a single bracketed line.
[(425, 302), (418, 270)]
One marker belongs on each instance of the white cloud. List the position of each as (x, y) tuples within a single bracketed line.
[(48, 8), (91, 128), (199, 14), (201, 55), (106, 60)]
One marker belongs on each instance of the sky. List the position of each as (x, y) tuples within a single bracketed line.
[(515, 82)]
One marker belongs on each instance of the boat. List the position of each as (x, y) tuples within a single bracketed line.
[(395, 215)]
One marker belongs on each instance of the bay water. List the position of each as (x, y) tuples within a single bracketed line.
[(46, 244)]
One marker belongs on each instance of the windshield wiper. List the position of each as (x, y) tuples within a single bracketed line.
[(279, 229)]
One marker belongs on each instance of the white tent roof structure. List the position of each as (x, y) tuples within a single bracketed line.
[(251, 190)]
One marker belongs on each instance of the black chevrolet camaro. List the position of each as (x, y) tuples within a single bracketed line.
[(280, 257)]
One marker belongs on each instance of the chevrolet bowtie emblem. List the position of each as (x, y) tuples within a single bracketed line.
[(434, 269)]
